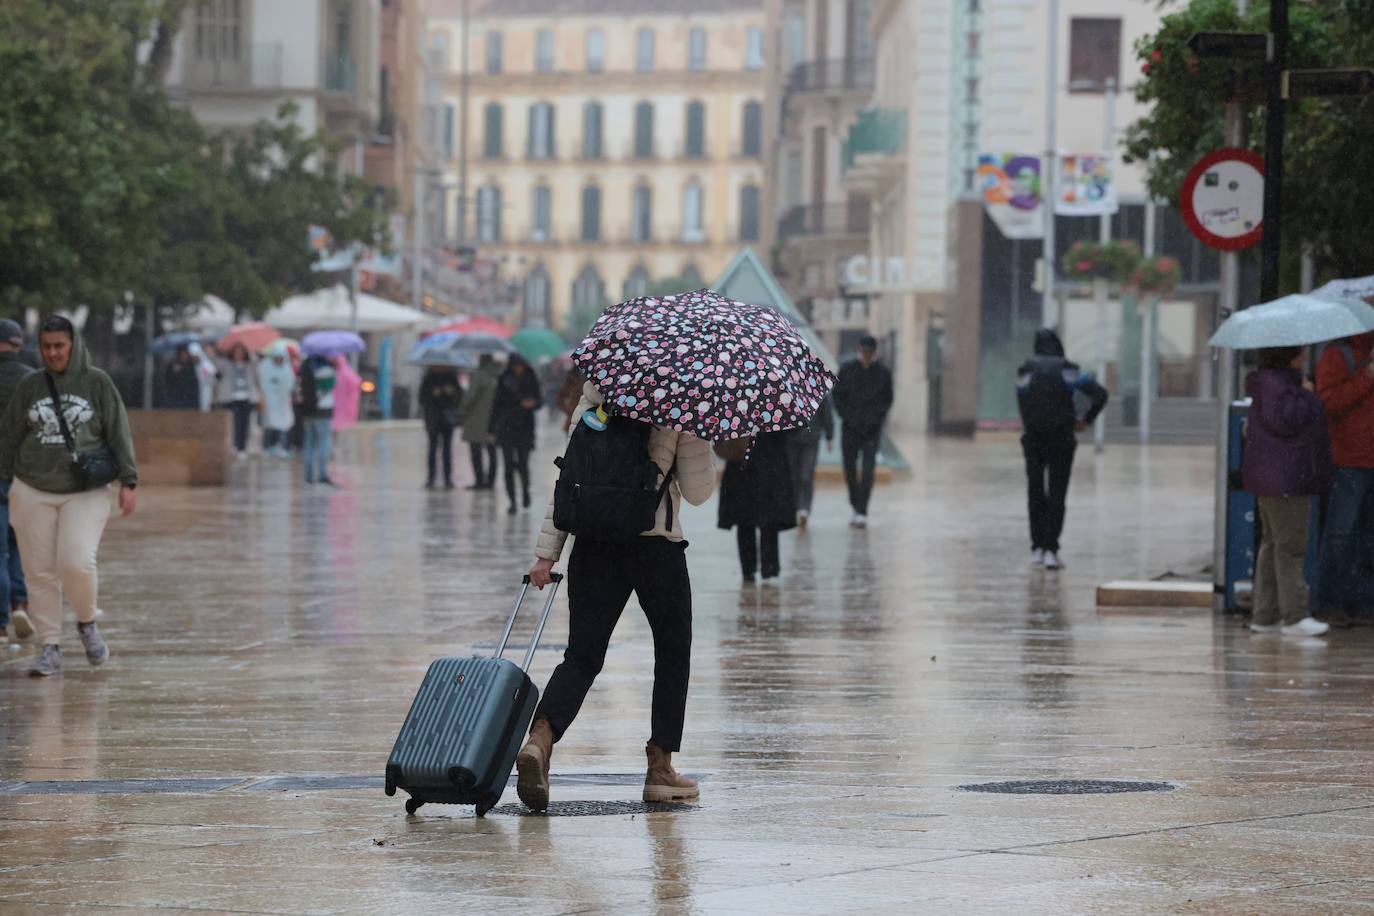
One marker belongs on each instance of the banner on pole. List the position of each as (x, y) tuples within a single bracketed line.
[(1011, 189), (1086, 186)]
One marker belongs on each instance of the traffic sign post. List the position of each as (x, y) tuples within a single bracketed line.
[(1308, 84), (1222, 199), (1232, 45)]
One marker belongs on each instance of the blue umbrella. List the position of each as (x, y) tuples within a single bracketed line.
[(332, 343), (174, 340)]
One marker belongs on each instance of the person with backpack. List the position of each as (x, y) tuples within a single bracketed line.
[(620, 490), (1045, 389), (757, 500), (862, 397), (513, 411), (1344, 589)]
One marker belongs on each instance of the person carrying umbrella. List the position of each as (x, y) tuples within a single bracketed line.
[(237, 390), (182, 382), (517, 402), (318, 382), (477, 422), (441, 400)]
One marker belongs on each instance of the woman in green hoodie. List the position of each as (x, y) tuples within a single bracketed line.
[(58, 520)]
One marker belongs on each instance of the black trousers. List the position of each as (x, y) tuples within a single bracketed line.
[(516, 462), (440, 440), (859, 451), (1049, 462), (484, 471), (753, 542), (243, 414), (601, 576)]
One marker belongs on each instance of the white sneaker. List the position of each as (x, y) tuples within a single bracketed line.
[(1037, 558), (1308, 626), (1264, 628), (1052, 560), (860, 521)]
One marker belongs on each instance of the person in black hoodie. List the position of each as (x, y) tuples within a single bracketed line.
[(1045, 389), (518, 399), (441, 402), (862, 397)]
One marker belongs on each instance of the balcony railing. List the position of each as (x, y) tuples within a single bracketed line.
[(826, 220), (848, 75), (879, 131), (340, 74), (251, 66)]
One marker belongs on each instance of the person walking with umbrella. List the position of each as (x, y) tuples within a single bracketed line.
[(517, 402), (238, 391), (477, 433), (182, 381), (694, 368), (441, 400), (862, 398), (757, 499)]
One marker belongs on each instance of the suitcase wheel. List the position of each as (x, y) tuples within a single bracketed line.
[(390, 782), (483, 808), (413, 805)]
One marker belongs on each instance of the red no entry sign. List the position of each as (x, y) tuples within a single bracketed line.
[(1222, 199)]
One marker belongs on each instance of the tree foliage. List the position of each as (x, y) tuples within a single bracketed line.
[(1329, 151)]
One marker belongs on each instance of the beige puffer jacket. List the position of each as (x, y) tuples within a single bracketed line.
[(694, 480)]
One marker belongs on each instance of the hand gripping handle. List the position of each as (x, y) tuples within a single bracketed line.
[(543, 619)]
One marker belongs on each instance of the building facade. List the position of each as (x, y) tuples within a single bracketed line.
[(611, 144), (396, 144)]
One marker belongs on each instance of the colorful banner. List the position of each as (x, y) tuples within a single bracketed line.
[(1086, 186), (1011, 190)]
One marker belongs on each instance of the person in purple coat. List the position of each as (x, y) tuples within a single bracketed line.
[(1287, 461)]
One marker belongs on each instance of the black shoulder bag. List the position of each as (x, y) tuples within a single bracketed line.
[(94, 467)]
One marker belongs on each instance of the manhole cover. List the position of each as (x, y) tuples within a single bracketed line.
[(1067, 787), (592, 809)]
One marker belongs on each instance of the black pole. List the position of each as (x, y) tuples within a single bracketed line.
[(1272, 242)]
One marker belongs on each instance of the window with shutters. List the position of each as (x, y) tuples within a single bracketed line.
[(751, 141), (749, 213), (593, 115), (692, 206), (219, 42), (591, 213), (541, 214), (644, 50), (596, 51), (637, 283), (642, 225), (492, 118), (695, 146), (588, 290), (644, 130), (1094, 54), (536, 298), (691, 277), (696, 49), (495, 52), (753, 48), (447, 136), (541, 136), (543, 51), (489, 214)]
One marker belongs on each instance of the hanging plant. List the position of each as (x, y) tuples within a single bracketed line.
[(1115, 262), (1157, 276)]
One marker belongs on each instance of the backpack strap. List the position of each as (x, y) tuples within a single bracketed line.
[(61, 417), (663, 491)]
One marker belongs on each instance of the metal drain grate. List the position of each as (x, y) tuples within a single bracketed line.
[(592, 809), (118, 786), (1067, 787)]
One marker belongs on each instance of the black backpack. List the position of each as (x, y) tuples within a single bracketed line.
[(1046, 399), (608, 487)]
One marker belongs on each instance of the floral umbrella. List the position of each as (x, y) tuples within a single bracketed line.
[(703, 364)]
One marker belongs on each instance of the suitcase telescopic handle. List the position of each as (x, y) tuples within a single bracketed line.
[(557, 578)]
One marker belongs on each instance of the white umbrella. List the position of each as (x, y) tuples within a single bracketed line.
[(1355, 288), (1294, 321)]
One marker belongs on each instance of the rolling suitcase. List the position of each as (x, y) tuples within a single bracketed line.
[(462, 733)]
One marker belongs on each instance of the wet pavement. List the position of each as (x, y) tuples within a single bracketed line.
[(267, 641)]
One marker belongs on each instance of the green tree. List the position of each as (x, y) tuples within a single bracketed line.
[(1328, 201)]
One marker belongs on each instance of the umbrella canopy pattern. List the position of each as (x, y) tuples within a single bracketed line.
[(539, 344), (332, 343), (252, 336), (703, 364), (476, 325), (463, 351), (1294, 321)]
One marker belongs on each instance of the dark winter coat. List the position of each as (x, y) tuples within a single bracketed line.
[(183, 385), (441, 399), (1287, 450), (758, 493), (511, 422), (1045, 388), (822, 426), (862, 397)]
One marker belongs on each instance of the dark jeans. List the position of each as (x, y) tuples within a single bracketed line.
[(516, 462), (859, 449), (12, 588), (274, 438), (802, 454), (1049, 462), (440, 440), (243, 413), (1343, 566), (484, 472), (601, 576), (753, 542)]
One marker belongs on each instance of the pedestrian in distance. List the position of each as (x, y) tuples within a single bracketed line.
[(63, 440), (318, 382), (1045, 392), (181, 382), (14, 594), (1344, 586), (441, 404), (517, 402), (277, 381), (206, 374), (758, 500), (602, 574), (862, 397), (237, 390), (803, 449), (481, 395), (1287, 461)]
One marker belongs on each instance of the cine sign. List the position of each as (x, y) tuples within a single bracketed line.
[(888, 275)]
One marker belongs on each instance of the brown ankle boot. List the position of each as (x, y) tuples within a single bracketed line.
[(532, 764), (662, 783)]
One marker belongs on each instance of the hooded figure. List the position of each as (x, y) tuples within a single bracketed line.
[(277, 380), (477, 422), (1045, 389)]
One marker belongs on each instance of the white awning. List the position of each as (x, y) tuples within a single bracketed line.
[(330, 308)]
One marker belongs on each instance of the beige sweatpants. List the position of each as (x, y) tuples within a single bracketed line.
[(59, 534)]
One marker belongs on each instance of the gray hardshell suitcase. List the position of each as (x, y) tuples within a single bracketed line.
[(460, 739)]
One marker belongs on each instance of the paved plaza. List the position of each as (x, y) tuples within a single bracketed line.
[(268, 639)]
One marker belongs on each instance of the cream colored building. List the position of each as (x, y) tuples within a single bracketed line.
[(611, 143)]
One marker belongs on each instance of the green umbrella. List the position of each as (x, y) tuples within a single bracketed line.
[(539, 344)]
